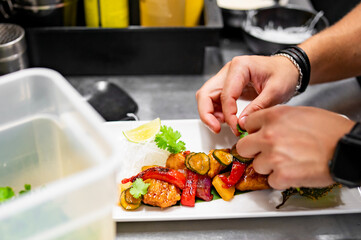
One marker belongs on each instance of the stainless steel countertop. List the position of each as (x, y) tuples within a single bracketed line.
[(173, 97)]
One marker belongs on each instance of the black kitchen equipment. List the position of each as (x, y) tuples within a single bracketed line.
[(40, 13), (235, 13), (112, 102), (134, 50), (281, 17)]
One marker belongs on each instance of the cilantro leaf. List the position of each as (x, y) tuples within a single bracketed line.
[(168, 139), (139, 188), (27, 188), (6, 193)]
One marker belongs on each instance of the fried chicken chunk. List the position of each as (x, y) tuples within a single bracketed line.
[(176, 161), (161, 194), (252, 180)]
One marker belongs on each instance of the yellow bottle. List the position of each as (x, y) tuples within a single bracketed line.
[(106, 13), (162, 13), (193, 12)]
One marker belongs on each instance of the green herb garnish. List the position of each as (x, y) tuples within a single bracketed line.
[(139, 188), (27, 188), (168, 139), (7, 193), (241, 131)]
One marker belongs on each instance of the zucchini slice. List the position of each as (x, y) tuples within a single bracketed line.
[(126, 205), (223, 157), (239, 158), (198, 162), (187, 158), (129, 197)]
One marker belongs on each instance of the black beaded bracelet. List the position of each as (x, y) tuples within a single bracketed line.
[(300, 59), (302, 54)]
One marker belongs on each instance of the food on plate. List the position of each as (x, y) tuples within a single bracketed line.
[(161, 194), (239, 158), (188, 197), (144, 132), (311, 193), (188, 176), (223, 190), (197, 162), (204, 188), (160, 173), (177, 160), (215, 166), (128, 202), (252, 180), (168, 139)]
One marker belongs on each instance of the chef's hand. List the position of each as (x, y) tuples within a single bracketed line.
[(265, 80), (293, 144)]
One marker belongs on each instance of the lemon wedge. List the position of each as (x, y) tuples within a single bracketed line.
[(144, 132)]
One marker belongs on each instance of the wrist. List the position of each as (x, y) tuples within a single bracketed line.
[(300, 60), (294, 73)]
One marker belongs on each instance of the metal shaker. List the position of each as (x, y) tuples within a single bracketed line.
[(13, 55)]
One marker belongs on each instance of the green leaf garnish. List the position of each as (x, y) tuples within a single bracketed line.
[(6, 193), (168, 139), (241, 131), (139, 188), (27, 188)]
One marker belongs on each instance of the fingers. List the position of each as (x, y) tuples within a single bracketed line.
[(209, 103), (208, 115), (249, 146), (236, 80), (267, 98), (278, 87)]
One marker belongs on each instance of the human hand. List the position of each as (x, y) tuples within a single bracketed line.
[(265, 80), (293, 144)]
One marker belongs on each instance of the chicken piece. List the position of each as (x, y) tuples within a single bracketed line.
[(176, 161), (214, 166), (161, 194), (252, 180)]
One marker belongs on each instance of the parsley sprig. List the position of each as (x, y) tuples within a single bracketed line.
[(168, 139)]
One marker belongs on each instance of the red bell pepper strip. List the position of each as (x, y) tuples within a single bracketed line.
[(188, 197), (185, 153), (160, 173), (237, 171)]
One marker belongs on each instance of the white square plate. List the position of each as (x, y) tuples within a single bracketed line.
[(247, 205)]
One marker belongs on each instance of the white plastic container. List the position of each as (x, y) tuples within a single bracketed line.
[(52, 139)]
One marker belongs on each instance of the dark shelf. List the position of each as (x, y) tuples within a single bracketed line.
[(134, 50)]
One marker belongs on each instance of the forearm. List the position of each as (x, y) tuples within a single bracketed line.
[(335, 53)]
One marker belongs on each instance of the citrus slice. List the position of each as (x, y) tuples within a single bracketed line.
[(144, 132)]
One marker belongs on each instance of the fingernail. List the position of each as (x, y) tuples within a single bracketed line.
[(242, 122)]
